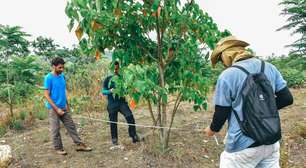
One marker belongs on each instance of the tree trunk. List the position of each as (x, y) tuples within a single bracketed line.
[(175, 107), (8, 90), (11, 111), (161, 104), (151, 112), (163, 107)]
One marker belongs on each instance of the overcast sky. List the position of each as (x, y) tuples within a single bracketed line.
[(254, 21)]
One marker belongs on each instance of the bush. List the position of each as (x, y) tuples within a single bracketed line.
[(75, 105), (16, 124), (292, 67), (41, 115), (83, 83), (23, 115), (293, 77)]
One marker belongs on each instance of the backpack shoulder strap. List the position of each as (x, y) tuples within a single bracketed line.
[(262, 69), (237, 117), (241, 68)]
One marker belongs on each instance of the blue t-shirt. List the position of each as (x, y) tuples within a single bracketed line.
[(227, 93), (57, 88)]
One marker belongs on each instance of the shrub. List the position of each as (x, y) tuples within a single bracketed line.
[(23, 115), (16, 124), (41, 115), (293, 77)]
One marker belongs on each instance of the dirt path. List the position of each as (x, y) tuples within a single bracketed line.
[(33, 148)]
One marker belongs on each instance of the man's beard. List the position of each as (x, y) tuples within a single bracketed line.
[(58, 72)]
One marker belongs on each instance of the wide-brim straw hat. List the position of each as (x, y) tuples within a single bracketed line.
[(224, 44)]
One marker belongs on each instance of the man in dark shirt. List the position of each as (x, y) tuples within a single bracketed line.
[(118, 104)]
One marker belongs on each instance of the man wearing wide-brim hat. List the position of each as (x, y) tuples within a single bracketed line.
[(241, 150)]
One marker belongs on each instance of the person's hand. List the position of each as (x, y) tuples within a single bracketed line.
[(101, 95), (60, 112), (111, 90), (209, 132)]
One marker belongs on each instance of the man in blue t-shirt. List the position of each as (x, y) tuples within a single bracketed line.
[(55, 93), (241, 150), (118, 104)]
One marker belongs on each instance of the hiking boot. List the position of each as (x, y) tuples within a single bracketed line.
[(115, 141), (135, 139), (61, 151), (83, 147)]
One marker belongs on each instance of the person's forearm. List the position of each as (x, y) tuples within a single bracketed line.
[(220, 116), (50, 101), (283, 98)]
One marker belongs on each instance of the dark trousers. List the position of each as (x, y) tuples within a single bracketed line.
[(124, 109)]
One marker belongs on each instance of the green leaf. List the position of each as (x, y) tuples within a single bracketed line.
[(196, 107), (141, 86), (68, 9), (81, 3), (155, 5), (3, 43), (205, 106), (128, 77), (70, 25), (165, 98), (136, 97)]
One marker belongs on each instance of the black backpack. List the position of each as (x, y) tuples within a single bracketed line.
[(261, 120)]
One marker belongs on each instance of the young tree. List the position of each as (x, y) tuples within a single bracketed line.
[(13, 42), (162, 45), (45, 47), (295, 10), (21, 81)]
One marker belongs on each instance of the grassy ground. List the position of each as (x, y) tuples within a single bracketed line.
[(188, 148)]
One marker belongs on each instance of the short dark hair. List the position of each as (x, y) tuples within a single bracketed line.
[(116, 63), (57, 60)]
